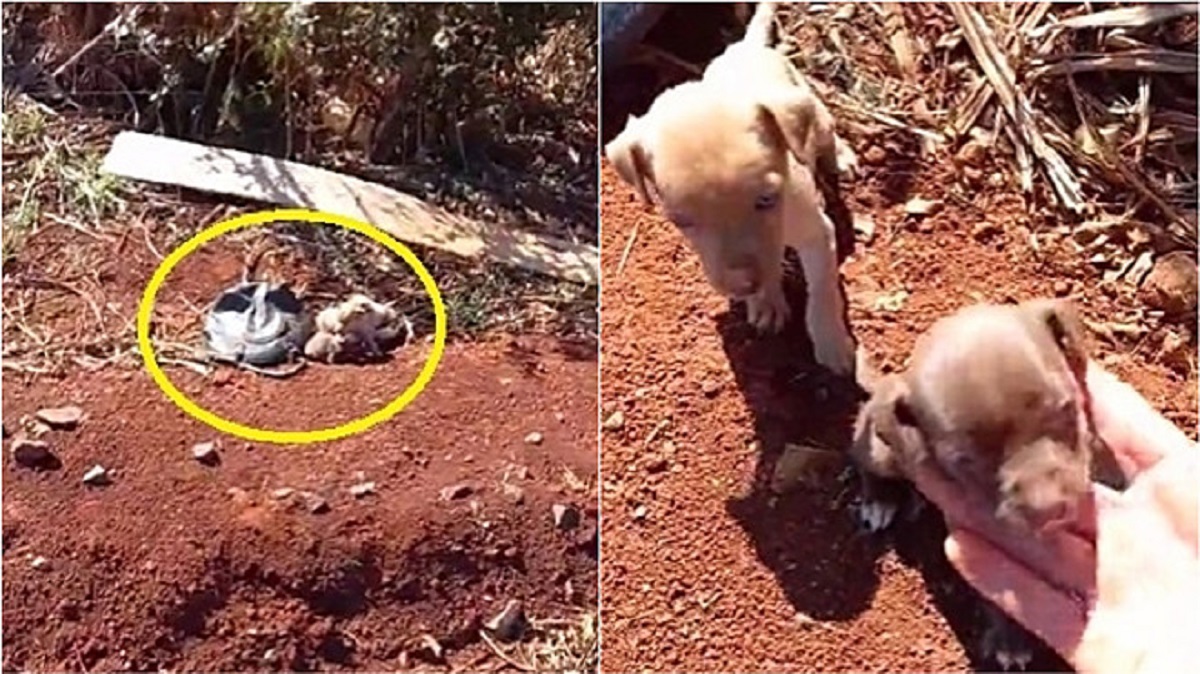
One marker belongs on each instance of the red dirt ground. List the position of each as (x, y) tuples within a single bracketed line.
[(180, 566), (706, 570)]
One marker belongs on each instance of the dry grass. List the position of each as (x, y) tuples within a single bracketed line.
[(1087, 107)]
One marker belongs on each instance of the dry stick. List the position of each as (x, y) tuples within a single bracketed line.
[(91, 44), (504, 656), (902, 45), (628, 249), (998, 71), (1141, 60), (981, 94), (1130, 17), (1131, 176)]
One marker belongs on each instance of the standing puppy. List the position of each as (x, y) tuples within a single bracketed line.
[(730, 159)]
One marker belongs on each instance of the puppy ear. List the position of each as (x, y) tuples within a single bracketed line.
[(895, 422), (628, 157), (1061, 320), (800, 122)]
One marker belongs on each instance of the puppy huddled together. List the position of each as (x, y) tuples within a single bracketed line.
[(358, 326), (995, 396)]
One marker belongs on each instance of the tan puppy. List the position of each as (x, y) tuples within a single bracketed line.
[(729, 158), (359, 320), (996, 397)]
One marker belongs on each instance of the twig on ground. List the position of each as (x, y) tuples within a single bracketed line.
[(995, 66), (524, 667), (628, 248)]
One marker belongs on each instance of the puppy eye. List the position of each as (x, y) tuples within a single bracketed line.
[(766, 202)]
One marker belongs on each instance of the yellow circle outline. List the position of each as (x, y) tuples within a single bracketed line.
[(289, 437)]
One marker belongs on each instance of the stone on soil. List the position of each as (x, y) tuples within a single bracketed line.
[(1171, 284), (534, 438), (205, 452), (565, 516), (63, 418), (510, 623), (40, 563), (514, 492), (32, 453), (96, 475), (457, 491), (615, 421), (362, 489), (314, 503)]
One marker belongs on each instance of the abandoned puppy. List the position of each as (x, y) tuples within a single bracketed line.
[(730, 159), (995, 396), (358, 322)]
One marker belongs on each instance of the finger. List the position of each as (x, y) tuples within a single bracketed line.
[(1065, 557), (1054, 615), (1136, 432)]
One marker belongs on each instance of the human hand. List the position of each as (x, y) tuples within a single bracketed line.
[(1119, 591)]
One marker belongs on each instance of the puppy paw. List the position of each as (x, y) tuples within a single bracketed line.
[(767, 312), (845, 161), (835, 350), (873, 516), (1005, 642)]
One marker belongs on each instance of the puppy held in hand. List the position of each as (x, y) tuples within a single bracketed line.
[(995, 396), (730, 161)]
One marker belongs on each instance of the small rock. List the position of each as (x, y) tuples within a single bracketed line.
[(801, 465), (282, 493), (62, 418), (239, 496), (431, 648), (206, 453), (1062, 288), (514, 492), (639, 513), (40, 563), (615, 421), (864, 225), (96, 475), (874, 155), (222, 377), (362, 489), (457, 491), (710, 388), (1171, 284), (921, 207), (314, 503), (985, 230), (657, 465), (33, 454), (565, 516), (972, 153), (1175, 351), (534, 438), (510, 624)]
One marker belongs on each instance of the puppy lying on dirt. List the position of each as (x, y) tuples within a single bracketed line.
[(730, 159), (357, 322), (995, 397)]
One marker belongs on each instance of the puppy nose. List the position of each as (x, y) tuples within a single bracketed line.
[(742, 280), (1054, 515)]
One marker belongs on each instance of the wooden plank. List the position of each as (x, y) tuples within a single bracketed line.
[(284, 183)]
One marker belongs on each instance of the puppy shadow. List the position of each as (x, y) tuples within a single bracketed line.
[(801, 531)]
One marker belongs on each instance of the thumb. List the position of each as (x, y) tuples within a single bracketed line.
[(1055, 616)]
